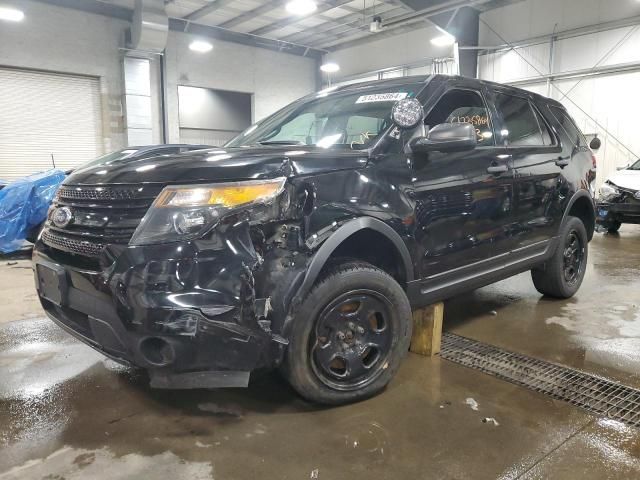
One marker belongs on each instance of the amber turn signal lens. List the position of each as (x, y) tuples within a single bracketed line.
[(223, 194)]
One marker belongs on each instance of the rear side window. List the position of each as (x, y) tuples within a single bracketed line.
[(522, 128), (569, 126), (547, 136)]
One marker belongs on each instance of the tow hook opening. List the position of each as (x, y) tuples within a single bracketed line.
[(157, 352)]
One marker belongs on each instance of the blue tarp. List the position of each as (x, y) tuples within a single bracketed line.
[(23, 206)]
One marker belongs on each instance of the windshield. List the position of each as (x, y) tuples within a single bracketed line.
[(635, 166), (341, 120)]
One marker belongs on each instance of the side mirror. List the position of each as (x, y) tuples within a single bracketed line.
[(595, 143), (446, 137)]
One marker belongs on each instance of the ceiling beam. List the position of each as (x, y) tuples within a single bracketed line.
[(347, 41), (392, 24), (294, 19), (251, 14), (207, 9), (219, 33), (97, 8), (179, 24), (347, 24)]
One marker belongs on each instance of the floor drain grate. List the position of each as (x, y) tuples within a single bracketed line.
[(594, 394)]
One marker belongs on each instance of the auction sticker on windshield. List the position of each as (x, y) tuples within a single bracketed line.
[(382, 97)]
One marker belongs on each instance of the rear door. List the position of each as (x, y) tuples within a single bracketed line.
[(537, 155)]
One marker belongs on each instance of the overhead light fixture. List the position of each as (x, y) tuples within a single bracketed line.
[(301, 7), (11, 14), (330, 67), (200, 46), (444, 40)]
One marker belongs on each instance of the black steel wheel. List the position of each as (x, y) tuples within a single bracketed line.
[(352, 340), (562, 275), (573, 257), (349, 335)]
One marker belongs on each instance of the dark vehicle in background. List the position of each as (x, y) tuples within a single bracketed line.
[(305, 242), (619, 199)]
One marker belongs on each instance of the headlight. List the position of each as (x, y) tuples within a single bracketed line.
[(188, 212), (608, 191)]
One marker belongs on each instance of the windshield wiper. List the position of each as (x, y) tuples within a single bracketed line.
[(282, 142)]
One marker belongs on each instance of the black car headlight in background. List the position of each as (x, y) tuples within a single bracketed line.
[(188, 212)]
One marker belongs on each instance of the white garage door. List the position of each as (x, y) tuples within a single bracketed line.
[(45, 115)]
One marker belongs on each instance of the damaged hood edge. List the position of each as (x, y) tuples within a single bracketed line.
[(219, 165)]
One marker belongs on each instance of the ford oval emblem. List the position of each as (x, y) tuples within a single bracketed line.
[(62, 217)]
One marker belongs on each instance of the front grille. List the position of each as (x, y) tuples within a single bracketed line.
[(589, 392), (71, 245), (98, 193), (102, 215)]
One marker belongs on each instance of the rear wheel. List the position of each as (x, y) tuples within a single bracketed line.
[(562, 275), (349, 336)]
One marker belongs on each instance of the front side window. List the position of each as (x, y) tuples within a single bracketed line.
[(635, 166), (521, 127), (348, 120), (463, 106), (569, 126)]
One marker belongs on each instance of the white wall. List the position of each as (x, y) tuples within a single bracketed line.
[(532, 18), (68, 41), (605, 99), (275, 79), (406, 48)]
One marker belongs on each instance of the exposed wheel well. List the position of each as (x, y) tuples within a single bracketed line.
[(371, 247), (583, 209)]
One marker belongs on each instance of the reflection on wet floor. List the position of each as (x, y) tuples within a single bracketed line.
[(67, 412), (598, 330)]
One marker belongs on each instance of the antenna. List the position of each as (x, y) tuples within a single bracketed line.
[(53, 160)]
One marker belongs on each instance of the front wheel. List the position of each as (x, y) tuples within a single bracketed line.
[(614, 227), (562, 275), (349, 335)]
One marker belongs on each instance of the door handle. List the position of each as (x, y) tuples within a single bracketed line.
[(562, 161), (494, 169)]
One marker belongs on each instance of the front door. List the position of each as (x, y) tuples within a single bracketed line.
[(462, 200)]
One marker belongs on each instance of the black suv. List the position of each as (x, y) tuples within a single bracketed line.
[(306, 241)]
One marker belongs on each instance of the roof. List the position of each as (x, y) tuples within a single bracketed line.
[(442, 78)]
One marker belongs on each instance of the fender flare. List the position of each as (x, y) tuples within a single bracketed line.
[(343, 233), (575, 197)]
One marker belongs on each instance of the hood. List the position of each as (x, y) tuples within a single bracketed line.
[(629, 179), (219, 165)]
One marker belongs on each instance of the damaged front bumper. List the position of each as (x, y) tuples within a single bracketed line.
[(186, 312), (610, 213)]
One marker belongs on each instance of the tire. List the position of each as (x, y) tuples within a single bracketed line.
[(614, 227), (562, 275), (349, 336)]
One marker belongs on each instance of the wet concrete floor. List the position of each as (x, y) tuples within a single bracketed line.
[(66, 412)]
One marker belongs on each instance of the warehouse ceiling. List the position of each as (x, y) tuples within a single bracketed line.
[(334, 24)]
